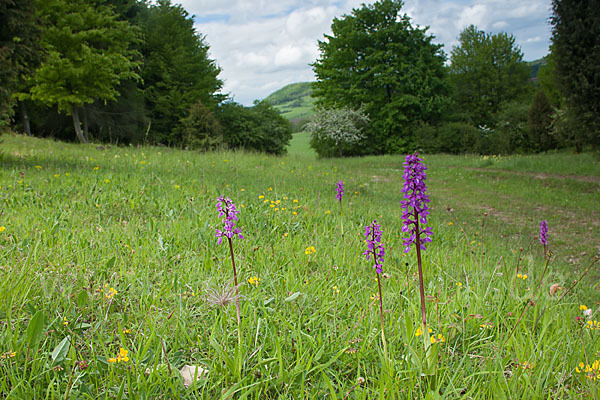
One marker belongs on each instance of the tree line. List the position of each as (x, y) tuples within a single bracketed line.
[(480, 99), (132, 71), (121, 71)]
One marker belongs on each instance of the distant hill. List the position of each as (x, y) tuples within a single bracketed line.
[(293, 101), (535, 67)]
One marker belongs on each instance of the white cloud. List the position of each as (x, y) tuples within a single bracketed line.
[(536, 39), (262, 45)]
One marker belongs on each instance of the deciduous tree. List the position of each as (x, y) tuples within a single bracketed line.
[(336, 127), (88, 54), (375, 58), (486, 71), (20, 52)]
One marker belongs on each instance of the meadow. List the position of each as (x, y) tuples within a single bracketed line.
[(112, 280)]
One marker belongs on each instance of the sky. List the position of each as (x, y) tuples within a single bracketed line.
[(263, 45)]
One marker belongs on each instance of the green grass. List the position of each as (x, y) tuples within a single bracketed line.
[(79, 220), (300, 146)]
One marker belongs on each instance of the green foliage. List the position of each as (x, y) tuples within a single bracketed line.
[(377, 60), (486, 71), (547, 81), (177, 71), (258, 128), (20, 51), (539, 122), (511, 131), (88, 54), (200, 129), (449, 137), (337, 127), (575, 49)]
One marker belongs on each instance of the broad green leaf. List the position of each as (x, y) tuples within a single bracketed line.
[(293, 297), (35, 328), (60, 352)]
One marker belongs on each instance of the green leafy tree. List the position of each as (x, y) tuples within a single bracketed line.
[(20, 52), (375, 59), (336, 127), (486, 71), (576, 52), (539, 122), (548, 83), (258, 128), (200, 129), (88, 54), (177, 71)]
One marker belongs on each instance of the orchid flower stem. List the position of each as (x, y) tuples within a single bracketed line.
[(421, 284)]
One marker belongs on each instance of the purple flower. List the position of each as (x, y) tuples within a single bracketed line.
[(339, 188), (227, 209), (544, 233), (415, 202), (374, 246)]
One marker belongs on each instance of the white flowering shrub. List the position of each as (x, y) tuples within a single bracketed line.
[(338, 126)]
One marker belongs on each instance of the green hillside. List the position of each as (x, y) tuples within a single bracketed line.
[(293, 101), (535, 67)]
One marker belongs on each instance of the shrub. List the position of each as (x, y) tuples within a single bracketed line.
[(258, 128), (336, 127), (200, 129), (539, 123)]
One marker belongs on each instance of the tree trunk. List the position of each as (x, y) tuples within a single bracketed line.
[(25, 116), (340, 148), (77, 125), (85, 125)]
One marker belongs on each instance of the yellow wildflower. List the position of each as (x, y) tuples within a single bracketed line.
[(261, 197), (440, 339), (122, 355), (310, 250), (110, 293), (419, 331), (2, 228), (583, 307)]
